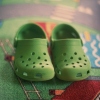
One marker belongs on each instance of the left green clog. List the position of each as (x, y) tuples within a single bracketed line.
[(32, 61)]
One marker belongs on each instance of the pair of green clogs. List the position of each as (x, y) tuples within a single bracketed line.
[(32, 61)]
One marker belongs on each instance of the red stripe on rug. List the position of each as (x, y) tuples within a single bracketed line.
[(43, 25), (81, 90)]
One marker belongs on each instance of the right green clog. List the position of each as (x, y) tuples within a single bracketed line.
[(68, 57), (32, 61)]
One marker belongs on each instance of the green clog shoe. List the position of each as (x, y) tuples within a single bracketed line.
[(68, 57), (32, 61)]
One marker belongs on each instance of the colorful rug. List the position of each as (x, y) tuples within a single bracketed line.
[(15, 13)]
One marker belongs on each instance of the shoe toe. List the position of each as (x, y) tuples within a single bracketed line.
[(72, 72), (35, 72)]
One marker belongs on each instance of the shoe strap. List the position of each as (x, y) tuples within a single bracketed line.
[(67, 42), (35, 41)]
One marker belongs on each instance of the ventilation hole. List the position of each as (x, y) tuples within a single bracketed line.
[(29, 59), (73, 66), (66, 64), (80, 58), (65, 60), (39, 58), (78, 62), (79, 75), (33, 53), (80, 65), (88, 72), (33, 62), (45, 60), (38, 75), (44, 53), (22, 61), (64, 54), (21, 56), (47, 64), (27, 65), (75, 53), (85, 60), (42, 66), (71, 57), (25, 74), (33, 66), (84, 63), (73, 63), (40, 63), (59, 72)]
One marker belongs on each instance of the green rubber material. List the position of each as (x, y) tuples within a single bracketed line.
[(68, 57), (32, 61)]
